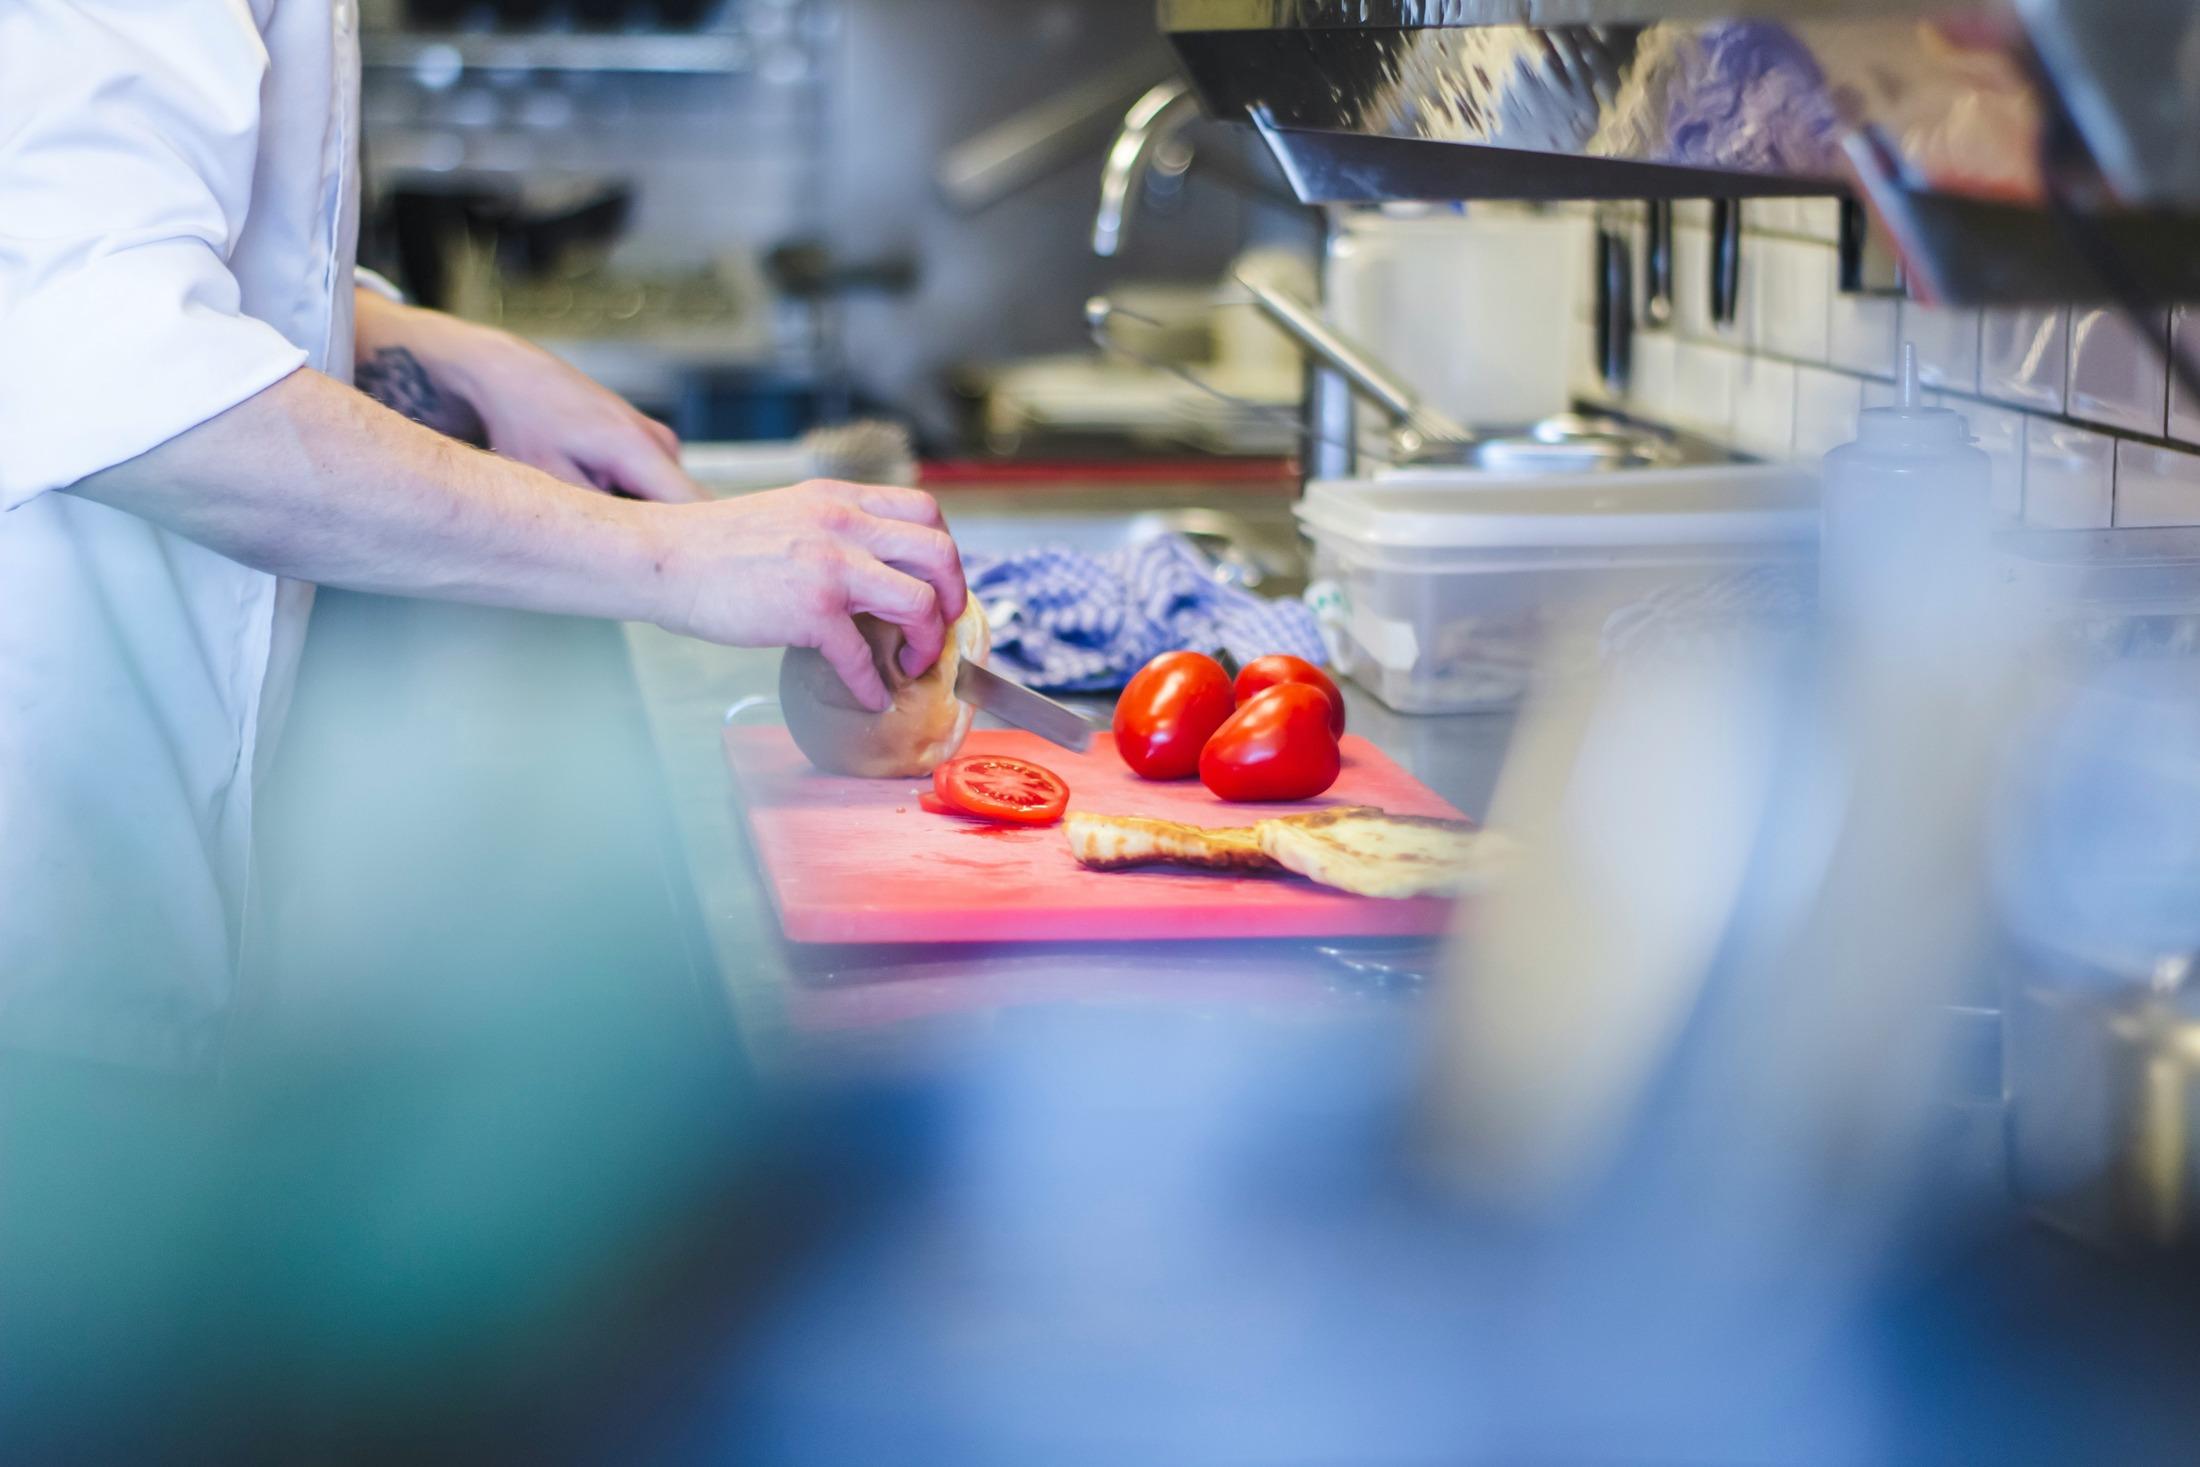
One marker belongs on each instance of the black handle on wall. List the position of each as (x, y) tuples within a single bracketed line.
[(1869, 264), (1726, 260), (1615, 308), (1657, 265)]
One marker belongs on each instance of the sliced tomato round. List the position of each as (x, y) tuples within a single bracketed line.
[(991, 787)]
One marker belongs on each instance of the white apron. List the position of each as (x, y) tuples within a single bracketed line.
[(178, 215)]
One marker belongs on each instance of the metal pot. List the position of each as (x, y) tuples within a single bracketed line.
[(2100, 882), (2102, 1080)]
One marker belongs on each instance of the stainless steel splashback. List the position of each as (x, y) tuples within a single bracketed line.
[(1943, 116)]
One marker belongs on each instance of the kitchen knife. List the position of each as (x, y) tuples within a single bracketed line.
[(1013, 703)]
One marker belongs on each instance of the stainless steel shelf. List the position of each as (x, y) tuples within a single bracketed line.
[(701, 53), (1234, 15)]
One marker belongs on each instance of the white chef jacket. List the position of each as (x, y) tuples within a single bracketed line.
[(178, 216)]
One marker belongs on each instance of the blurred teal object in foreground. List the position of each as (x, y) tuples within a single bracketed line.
[(477, 1098)]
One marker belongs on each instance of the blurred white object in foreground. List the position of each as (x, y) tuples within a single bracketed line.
[(1757, 880)]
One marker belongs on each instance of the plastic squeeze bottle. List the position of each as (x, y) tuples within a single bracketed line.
[(1904, 516)]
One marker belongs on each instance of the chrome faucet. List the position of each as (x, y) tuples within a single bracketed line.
[(1150, 142)]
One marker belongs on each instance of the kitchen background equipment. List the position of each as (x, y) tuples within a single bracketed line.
[(773, 121), (1415, 425), (2102, 1079), (855, 861), (1181, 366), (862, 452), (2099, 881), (1147, 151), (449, 230), (1422, 435), (1460, 304), (1419, 436), (1017, 151)]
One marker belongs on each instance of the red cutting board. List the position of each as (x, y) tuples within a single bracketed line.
[(856, 861)]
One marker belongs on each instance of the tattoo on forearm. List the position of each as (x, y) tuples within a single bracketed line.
[(394, 377)]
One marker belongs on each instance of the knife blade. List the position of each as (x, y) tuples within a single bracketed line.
[(1015, 704)]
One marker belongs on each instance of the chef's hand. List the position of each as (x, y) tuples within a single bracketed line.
[(488, 387), (793, 567)]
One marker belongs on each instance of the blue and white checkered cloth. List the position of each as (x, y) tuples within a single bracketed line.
[(1069, 622)]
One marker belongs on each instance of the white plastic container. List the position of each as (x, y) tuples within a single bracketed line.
[(2105, 594), (1442, 596)]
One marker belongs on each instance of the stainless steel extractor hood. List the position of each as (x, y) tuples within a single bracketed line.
[(2034, 157)]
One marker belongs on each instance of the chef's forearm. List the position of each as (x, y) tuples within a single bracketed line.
[(311, 479), (409, 361)]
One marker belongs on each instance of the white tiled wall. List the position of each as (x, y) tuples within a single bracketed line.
[(2024, 357), (2184, 409), (1947, 345), (1763, 420), (1826, 405), (2116, 374), (1703, 387), (2069, 476), (2001, 433), (2075, 407), (1793, 299), (2156, 486)]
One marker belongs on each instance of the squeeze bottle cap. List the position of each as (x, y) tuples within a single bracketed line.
[(1910, 423)]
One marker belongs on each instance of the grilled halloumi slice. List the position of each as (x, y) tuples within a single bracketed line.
[(1377, 855), (1120, 842)]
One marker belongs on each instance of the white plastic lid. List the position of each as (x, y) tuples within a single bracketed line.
[(1743, 504)]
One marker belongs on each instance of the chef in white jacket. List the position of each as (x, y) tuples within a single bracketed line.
[(182, 454)]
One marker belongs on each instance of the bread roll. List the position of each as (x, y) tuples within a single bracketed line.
[(922, 730)]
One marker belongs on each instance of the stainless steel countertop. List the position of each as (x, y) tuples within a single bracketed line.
[(793, 1000)]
